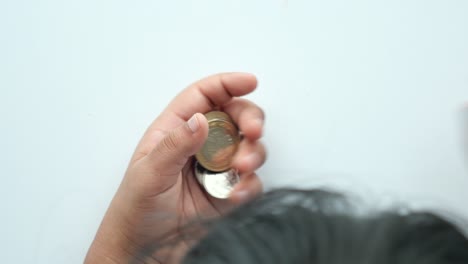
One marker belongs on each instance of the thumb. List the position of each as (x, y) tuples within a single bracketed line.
[(172, 153)]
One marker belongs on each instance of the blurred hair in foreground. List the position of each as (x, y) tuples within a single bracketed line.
[(322, 227)]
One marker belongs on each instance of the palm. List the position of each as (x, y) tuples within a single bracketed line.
[(183, 202), (196, 202)]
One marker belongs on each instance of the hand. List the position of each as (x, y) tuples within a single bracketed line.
[(159, 193)]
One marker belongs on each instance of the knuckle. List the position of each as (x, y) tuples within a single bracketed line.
[(254, 111), (261, 112), (262, 151), (169, 143)]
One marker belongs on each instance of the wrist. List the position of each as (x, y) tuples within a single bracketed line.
[(112, 243), (110, 248)]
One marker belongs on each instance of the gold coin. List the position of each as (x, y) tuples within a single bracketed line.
[(222, 142)]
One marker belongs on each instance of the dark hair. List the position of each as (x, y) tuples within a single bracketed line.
[(322, 227)]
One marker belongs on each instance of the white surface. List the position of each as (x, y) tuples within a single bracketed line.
[(359, 94)]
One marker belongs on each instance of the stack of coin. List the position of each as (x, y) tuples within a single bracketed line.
[(213, 169)]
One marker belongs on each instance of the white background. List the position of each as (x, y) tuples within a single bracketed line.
[(362, 95)]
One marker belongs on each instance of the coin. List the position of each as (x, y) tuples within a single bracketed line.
[(222, 142), (217, 184)]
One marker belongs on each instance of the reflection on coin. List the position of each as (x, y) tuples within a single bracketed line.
[(217, 184), (222, 142)]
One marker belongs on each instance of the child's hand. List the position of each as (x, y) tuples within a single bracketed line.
[(159, 192)]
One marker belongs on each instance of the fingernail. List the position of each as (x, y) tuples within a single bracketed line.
[(252, 159), (242, 195), (259, 121), (193, 123)]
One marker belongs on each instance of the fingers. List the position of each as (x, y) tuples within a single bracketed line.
[(248, 116), (171, 154), (216, 90), (200, 97), (249, 187), (250, 156)]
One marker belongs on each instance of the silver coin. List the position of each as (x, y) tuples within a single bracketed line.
[(217, 184)]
